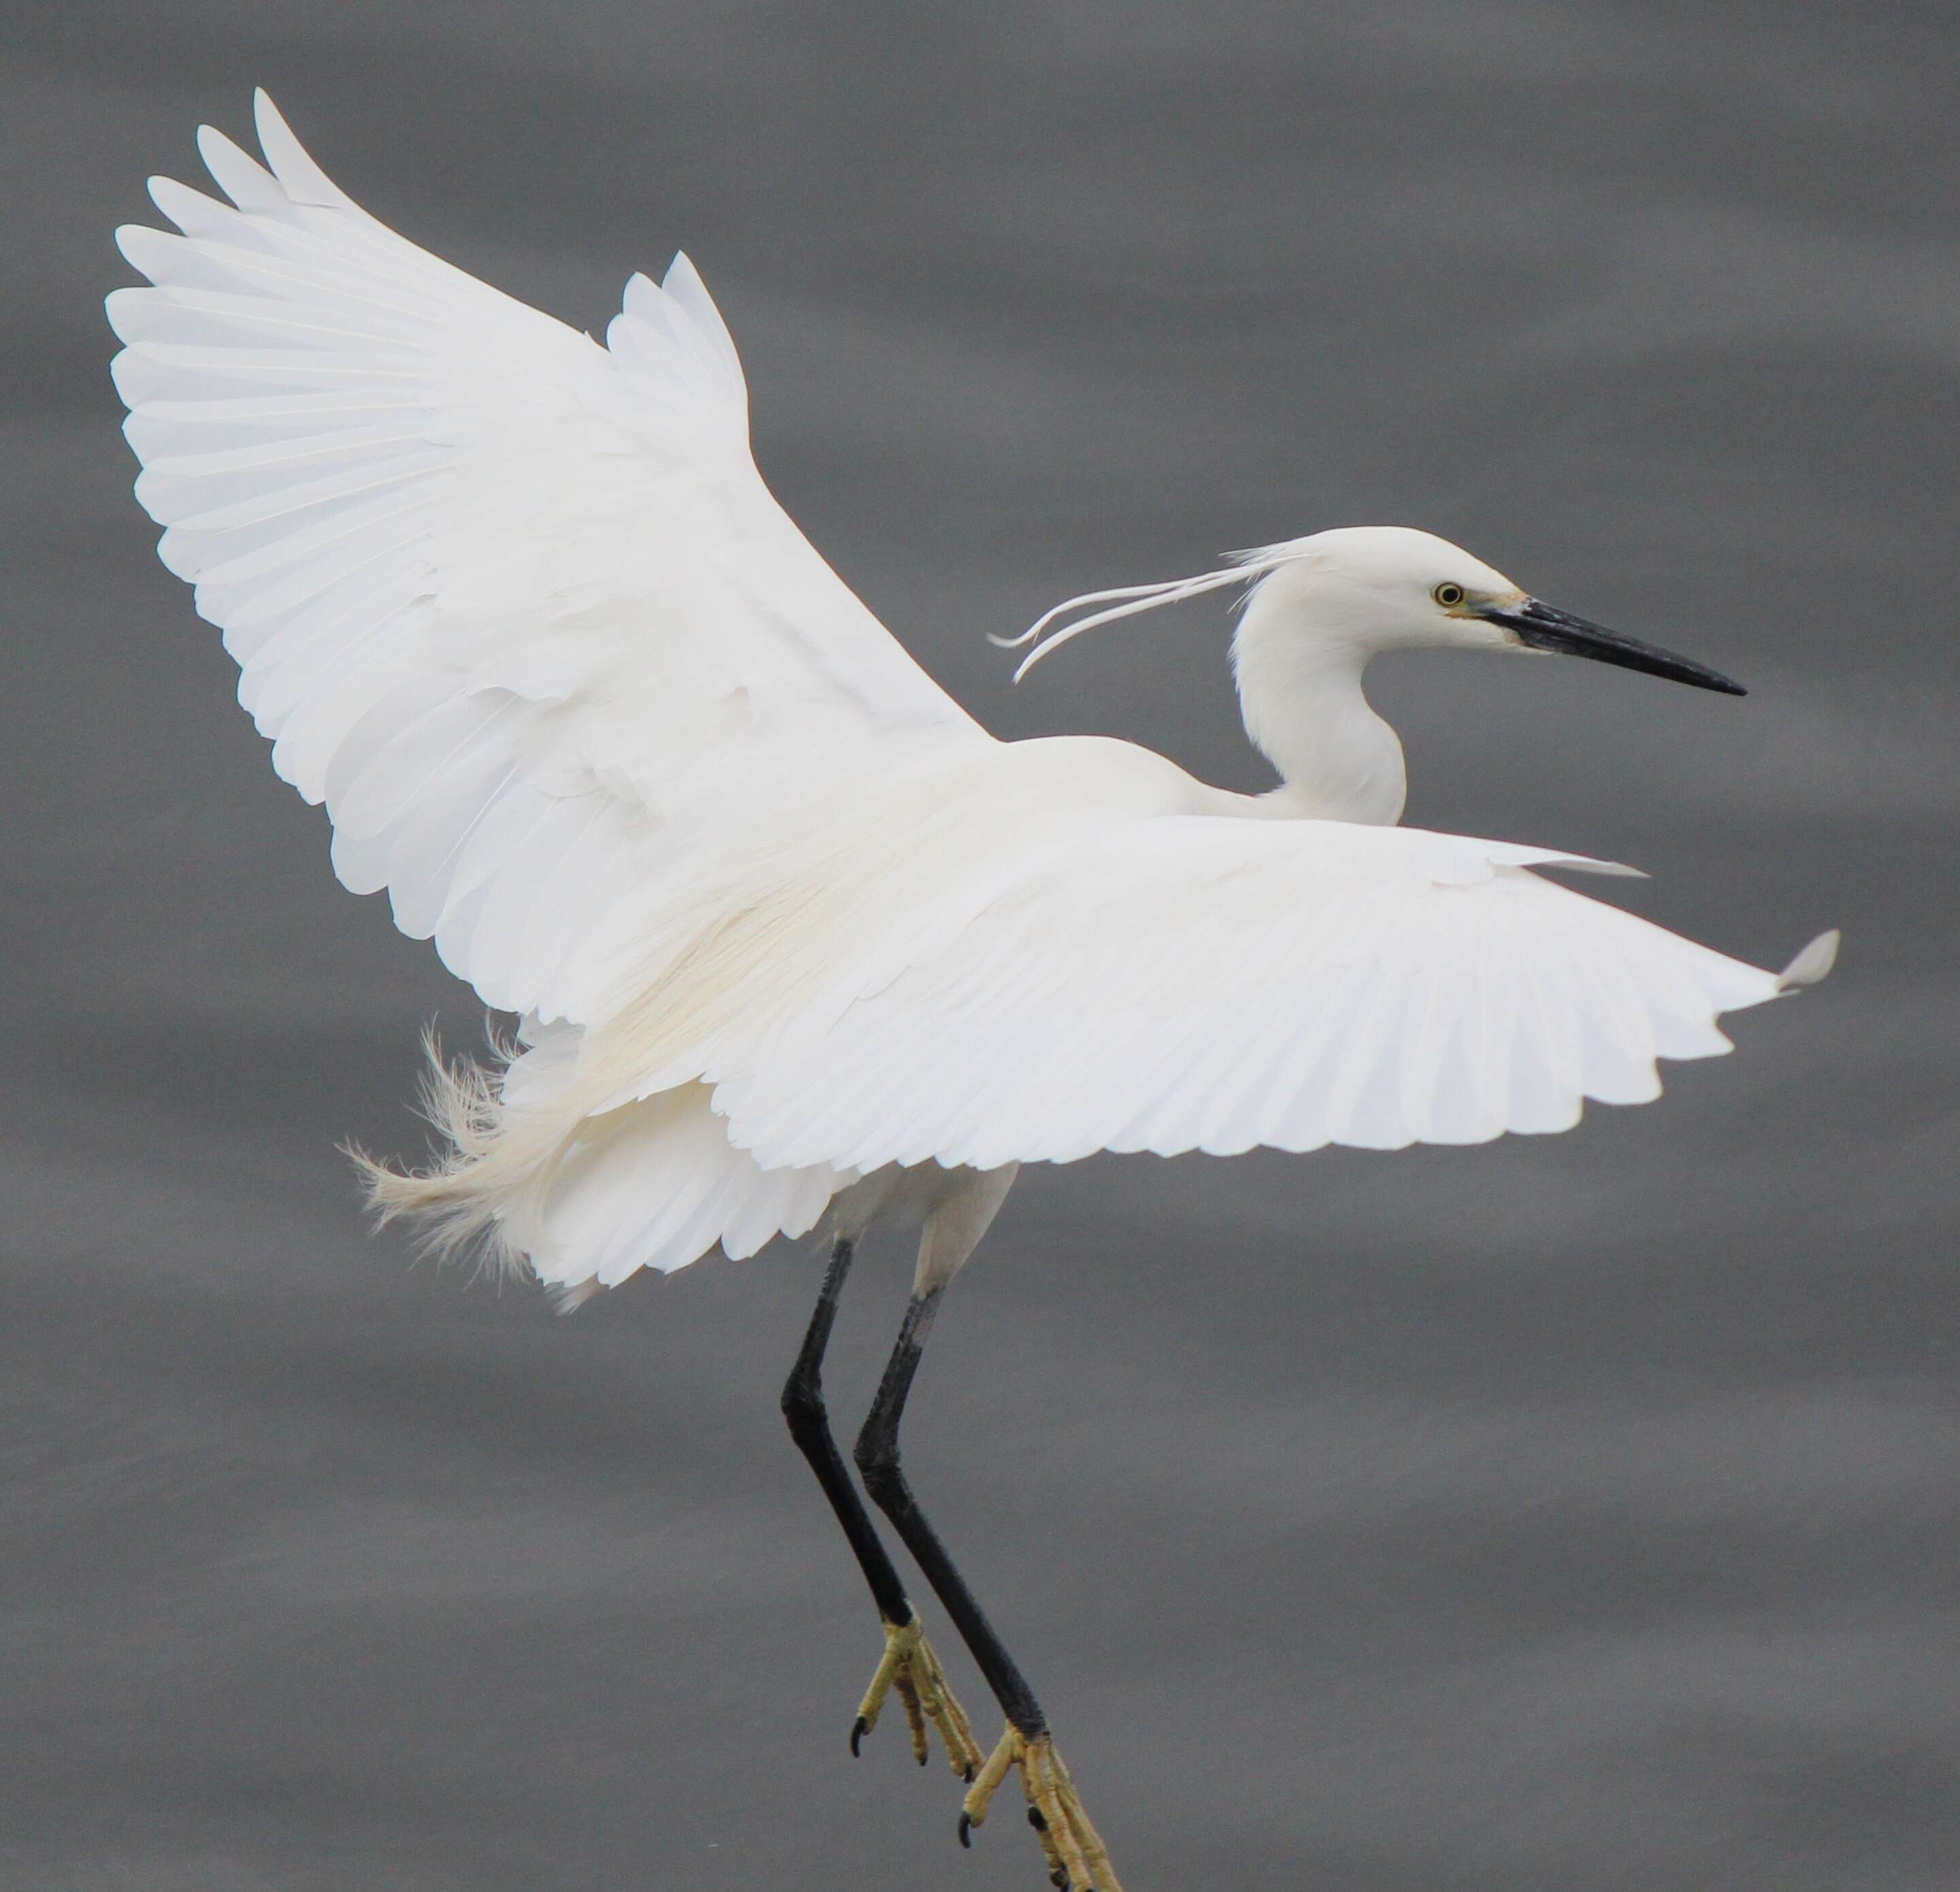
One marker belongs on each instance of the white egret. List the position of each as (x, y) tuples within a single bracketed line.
[(790, 935)]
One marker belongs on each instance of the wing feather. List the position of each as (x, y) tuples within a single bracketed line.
[(501, 596), (1190, 983)]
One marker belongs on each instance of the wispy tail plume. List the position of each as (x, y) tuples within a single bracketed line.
[(459, 1203)]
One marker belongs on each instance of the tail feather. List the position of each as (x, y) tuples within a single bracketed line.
[(582, 1201)]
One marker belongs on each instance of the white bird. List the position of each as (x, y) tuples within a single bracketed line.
[(790, 935)]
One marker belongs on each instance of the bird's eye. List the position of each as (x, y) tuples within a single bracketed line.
[(1448, 595)]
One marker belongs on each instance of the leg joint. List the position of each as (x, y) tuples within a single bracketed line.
[(875, 1455), (886, 1483), (802, 1406), (803, 1394)]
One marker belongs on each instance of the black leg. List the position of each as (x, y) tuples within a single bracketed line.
[(810, 1427), (877, 1456)]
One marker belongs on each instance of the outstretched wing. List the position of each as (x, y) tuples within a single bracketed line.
[(1186, 983), (517, 607)]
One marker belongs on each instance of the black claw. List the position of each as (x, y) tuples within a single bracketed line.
[(966, 1830), (1058, 1878), (1035, 1820), (922, 1759), (858, 1731), (967, 1776)]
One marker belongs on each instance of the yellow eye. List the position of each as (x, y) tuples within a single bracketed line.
[(1448, 595)]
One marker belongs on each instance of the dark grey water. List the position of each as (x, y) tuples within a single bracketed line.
[(1567, 1514)]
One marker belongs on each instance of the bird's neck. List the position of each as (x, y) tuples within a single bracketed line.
[(1301, 698)]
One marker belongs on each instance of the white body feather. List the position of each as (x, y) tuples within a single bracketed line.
[(779, 915)]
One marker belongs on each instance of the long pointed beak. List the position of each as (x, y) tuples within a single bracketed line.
[(1541, 627)]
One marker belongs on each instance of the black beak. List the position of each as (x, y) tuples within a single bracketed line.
[(1543, 628)]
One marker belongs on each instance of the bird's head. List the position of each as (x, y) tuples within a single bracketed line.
[(1359, 590), (1370, 588)]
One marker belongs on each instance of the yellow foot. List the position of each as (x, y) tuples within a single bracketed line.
[(1077, 1860), (909, 1666)]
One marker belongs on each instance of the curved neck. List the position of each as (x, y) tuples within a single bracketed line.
[(1300, 696)]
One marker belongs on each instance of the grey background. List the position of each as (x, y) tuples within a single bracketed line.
[(1567, 1513)]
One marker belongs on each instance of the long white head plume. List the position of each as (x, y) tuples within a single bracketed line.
[(1125, 601)]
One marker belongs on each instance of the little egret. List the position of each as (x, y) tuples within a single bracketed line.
[(793, 941)]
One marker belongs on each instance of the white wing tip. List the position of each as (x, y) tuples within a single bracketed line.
[(1813, 963), (292, 164), (1585, 864)]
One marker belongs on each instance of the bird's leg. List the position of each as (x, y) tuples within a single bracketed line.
[(1077, 1861), (908, 1665)]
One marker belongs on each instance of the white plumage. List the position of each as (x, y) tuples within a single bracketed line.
[(779, 913)]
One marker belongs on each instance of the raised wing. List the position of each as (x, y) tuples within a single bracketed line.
[(517, 607), (1197, 982)]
